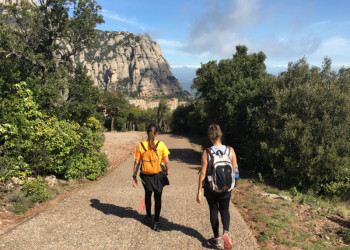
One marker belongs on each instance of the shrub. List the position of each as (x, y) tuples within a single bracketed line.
[(35, 144), (36, 190)]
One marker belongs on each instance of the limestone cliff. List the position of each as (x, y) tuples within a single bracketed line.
[(131, 63)]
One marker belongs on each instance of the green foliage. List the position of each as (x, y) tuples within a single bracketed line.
[(116, 108), (46, 104), (90, 166), (34, 143), (303, 129), (292, 129), (163, 116), (145, 118), (227, 89), (82, 98), (36, 189), (181, 122)]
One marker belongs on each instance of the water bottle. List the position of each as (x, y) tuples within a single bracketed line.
[(236, 173)]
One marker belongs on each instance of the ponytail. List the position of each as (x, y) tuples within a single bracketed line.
[(151, 131)]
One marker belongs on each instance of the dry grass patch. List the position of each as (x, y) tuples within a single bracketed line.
[(302, 222)]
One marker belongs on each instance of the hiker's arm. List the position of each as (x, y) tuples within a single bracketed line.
[(166, 163), (136, 170), (202, 174), (234, 159)]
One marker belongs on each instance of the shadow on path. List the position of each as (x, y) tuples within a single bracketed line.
[(185, 155), (128, 212)]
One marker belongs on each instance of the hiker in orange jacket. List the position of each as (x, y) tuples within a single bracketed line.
[(153, 181)]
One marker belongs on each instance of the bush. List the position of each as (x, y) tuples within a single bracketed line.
[(36, 190), (90, 166), (35, 144)]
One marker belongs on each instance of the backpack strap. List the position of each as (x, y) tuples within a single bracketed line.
[(143, 146), (210, 152), (227, 151), (157, 144), (210, 163)]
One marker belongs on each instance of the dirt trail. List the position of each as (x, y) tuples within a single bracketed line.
[(103, 215)]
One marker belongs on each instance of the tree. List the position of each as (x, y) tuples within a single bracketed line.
[(226, 89), (162, 117), (133, 118), (302, 129), (39, 41), (82, 98), (116, 108)]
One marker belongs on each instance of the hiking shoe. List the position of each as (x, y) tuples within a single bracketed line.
[(227, 240), (215, 242), (147, 220), (156, 226)]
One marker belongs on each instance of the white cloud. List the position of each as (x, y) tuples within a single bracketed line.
[(336, 48), (185, 66), (278, 66), (170, 43), (118, 18), (216, 30), (317, 24)]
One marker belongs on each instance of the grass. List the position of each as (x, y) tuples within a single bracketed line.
[(304, 223), (17, 202)]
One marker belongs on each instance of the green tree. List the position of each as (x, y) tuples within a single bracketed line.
[(146, 117), (227, 89), (133, 117), (38, 43), (181, 122), (303, 129), (82, 98), (163, 119), (116, 109)]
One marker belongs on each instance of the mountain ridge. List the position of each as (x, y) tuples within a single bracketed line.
[(134, 64)]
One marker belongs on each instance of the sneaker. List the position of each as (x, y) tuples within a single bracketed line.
[(215, 242), (156, 226), (227, 240), (147, 220)]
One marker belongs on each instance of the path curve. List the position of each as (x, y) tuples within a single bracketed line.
[(103, 215)]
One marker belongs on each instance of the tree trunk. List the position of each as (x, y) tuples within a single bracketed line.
[(112, 124)]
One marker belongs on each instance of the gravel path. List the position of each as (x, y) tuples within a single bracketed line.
[(103, 215)]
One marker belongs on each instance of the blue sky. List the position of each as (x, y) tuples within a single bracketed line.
[(191, 32)]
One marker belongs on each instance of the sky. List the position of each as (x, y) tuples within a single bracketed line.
[(191, 32)]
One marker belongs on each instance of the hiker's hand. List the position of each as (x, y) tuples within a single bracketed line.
[(199, 197), (134, 182)]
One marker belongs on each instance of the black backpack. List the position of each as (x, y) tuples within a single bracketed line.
[(222, 178)]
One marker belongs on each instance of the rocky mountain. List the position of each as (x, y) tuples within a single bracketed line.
[(130, 63)]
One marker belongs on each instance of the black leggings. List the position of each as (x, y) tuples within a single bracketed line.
[(218, 203), (157, 201)]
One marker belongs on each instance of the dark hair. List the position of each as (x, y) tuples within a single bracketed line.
[(214, 132), (151, 131)]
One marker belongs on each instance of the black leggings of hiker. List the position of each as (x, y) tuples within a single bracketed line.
[(218, 203), (157, 201)]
